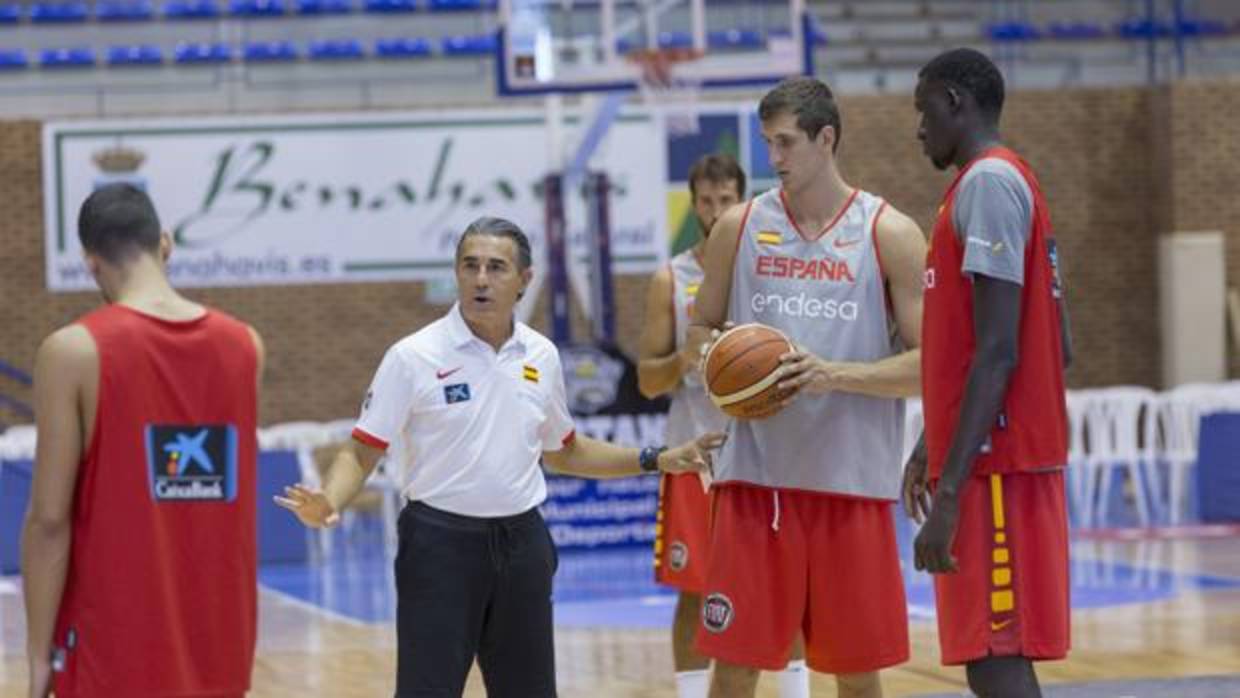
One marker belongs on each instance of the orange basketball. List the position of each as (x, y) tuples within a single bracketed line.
[(740, 371)]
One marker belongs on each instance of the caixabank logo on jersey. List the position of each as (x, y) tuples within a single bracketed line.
[(192, 462)]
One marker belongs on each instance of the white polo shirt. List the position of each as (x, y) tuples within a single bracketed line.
[(470, 423)]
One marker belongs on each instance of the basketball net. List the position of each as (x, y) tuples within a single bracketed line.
[(673, 96)]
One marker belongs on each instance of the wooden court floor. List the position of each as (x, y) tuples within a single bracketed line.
[(303, 652)]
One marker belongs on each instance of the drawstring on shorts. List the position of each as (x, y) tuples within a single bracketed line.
[(775, 518)]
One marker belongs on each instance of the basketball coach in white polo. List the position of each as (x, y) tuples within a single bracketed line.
[(476, 400)]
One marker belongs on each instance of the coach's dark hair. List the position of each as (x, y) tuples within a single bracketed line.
[(500, 228), (971, 71), (117, 222), (718, 168), (810, 100)]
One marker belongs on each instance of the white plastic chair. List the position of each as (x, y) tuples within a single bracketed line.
[(1179, 420), (1120, 425), (1078, 467), (18, 442)]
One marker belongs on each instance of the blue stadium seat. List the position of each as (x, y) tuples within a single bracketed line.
[(403, 48), (13, 59), (58, 12), (324, 7), (145, 54), (124, 11), (675, 40), (1202, 28), (469, 45), (192, 53), (1012, 31), (256, 8), (462, 5), (78, 57), (270, 51), (191, 9), (735, 38), (1142, 28), (336, 50), (391, 6), (1075, 30)]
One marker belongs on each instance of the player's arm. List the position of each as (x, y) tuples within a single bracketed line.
[(585, 457), (387, 404), (996, 322), (345, 477), (65, 364), (903, 249), (710, 306), (660, 367)]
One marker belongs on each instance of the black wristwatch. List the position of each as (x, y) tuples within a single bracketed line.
[(648, 459)]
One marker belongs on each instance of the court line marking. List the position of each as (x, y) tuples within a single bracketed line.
[(320, 610)]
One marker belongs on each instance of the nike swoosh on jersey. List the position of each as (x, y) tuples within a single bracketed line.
[(841, 244), (1000, 625), (444, 374)]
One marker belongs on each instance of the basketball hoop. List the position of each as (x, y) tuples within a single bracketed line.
[(674, 96)]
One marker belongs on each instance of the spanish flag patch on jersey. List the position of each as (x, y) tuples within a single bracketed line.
[(769, 237), (529, 373)]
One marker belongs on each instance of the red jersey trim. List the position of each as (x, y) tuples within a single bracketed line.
[(740, 234), (878, 255), (369, 439), (783, 200)]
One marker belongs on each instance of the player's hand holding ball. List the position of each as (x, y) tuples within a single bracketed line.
[(743, 370)]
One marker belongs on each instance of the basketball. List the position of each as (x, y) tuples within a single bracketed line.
[(740, 371)]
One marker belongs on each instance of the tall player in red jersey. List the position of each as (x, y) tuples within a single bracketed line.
[(139, 555), (989, 475)]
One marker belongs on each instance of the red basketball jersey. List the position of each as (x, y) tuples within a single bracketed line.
[(160, 598), (1031, 430)]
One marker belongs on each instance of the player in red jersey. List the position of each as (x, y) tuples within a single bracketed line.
[(988, 477), (139, 554)]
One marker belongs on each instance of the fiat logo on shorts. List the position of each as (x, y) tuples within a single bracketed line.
[(678, 556), (717, 613)]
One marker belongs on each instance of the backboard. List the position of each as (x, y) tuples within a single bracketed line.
[(576, 46)]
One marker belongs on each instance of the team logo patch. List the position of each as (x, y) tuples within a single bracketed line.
[(717, 613), (457, 392), (192, 462), (678, 556)]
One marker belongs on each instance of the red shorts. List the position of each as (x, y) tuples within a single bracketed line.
[(1010, 597), (789, 560), (682, 533)]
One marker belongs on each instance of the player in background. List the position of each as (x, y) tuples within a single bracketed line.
[(666, 366)]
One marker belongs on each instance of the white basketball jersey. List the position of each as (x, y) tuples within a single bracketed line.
[(691, 413), (826, 292)]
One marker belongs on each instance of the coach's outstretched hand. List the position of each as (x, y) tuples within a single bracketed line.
[(311, 506), (693, 456)]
